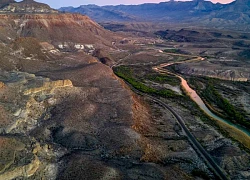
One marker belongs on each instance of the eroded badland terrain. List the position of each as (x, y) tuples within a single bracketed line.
[(78, 101)]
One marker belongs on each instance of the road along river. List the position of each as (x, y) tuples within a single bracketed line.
[(194, 142), (195, 97)]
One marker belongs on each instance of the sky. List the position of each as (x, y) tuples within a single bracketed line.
[(76, 3)]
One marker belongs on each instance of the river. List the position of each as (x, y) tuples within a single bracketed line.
[(196, 98)]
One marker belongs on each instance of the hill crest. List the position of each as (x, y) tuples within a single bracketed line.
[(25, 6)]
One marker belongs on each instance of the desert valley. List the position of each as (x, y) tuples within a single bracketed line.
[(151, 92)]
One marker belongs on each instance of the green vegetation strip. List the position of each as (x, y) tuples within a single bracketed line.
[(177, 51), (164, 79), (211, 95), (127, 74)]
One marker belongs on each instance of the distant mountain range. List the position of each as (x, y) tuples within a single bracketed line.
[(234, 15)]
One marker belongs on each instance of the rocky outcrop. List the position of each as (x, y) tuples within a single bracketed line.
[(26, 101), (23, 171), (1, 84), (49, 86), (32, 96)]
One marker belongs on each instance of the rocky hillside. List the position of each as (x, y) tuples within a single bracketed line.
[(65, 31), (234, 16), (56, 99), (210, 70)]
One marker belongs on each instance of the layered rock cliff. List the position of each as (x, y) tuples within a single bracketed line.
[(67, 31)]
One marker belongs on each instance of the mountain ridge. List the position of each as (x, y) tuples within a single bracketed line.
[(232, 15)]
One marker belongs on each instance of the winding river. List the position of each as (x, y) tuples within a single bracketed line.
[(196, 98)]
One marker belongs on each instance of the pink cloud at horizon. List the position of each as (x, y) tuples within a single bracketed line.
[(128, 2), (222, 1), (157, 1), (76, 3)]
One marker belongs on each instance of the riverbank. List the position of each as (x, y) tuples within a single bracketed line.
[(237, 132)]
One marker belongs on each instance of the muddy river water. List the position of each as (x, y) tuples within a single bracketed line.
[(196, 98)]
